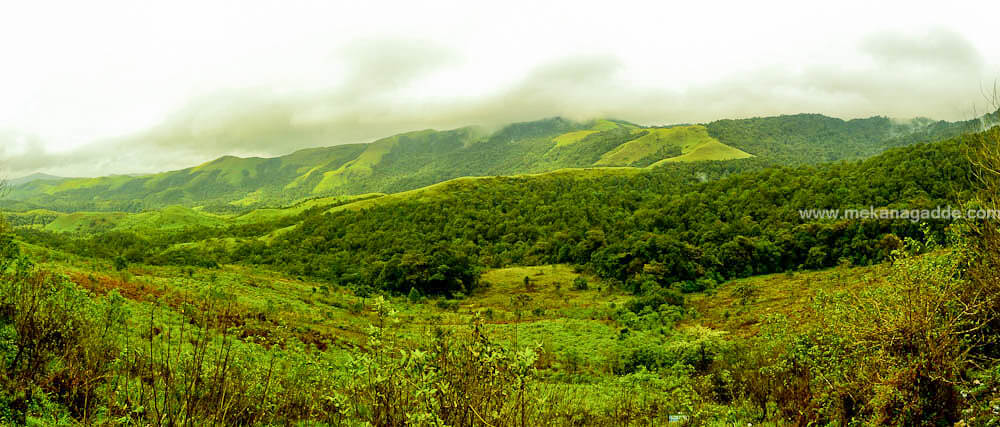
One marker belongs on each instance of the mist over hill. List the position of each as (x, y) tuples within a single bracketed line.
[(34, 177), (415, 159)]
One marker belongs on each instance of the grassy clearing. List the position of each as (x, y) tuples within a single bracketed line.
[(268, 214), (170, 218), (176, 217), (363, 164), (600, 125), (712, 150), (550, 288), (86, 222), (438, 191), (232, 170), (572, 137), (739, 306), (693, 142), (604, 124)]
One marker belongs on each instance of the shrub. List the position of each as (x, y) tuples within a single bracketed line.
[(449, 305), (414, 295), (654, 299), (746, 292)]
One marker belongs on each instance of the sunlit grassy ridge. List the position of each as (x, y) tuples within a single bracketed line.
[(265, 214), (711, 150), (86, 222), (443, 190), (231, 170), (169, 218), (359, 167), (62, 186), (601, 125), (572, 137), (680, 143)]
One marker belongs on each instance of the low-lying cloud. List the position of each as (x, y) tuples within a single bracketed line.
[(938, 74)]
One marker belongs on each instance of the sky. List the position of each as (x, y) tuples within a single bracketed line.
[(113, 87)]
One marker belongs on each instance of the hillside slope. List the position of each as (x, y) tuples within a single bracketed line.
[(417, 159)]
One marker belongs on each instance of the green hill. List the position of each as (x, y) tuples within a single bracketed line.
[(34, 177), (813, 138), (169, 218), (681, 143), (233, 185), (86, 222)]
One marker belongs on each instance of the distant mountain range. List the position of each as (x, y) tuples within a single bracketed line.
[(417, 159), (34, 177)]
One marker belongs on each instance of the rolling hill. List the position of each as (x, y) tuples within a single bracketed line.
[(169, 218), (421, 158), (34, 177), (681, 143)]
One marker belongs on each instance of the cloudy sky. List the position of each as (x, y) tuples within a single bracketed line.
[(102, 87)]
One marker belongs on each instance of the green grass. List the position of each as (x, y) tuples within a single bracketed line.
[(172, 217), (232, 170), (299, 180), (604, 124), (712, 150), (267, 214), (439, 191), (600, 125), (693, 142), (311, 308), (572, 137), (363, 165), (36, 213), (576, 334), (551, 288), (85, 183), (178, 217), (251, 199), (86, 222), (424, 194), (789, 294)]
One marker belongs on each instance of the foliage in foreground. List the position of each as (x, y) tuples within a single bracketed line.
[(901, 350), (70, 356)]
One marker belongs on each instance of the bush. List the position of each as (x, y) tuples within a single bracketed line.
[(746, 292), (58, 344), (414, 296), (654, 299), (580, 284), (449, 305)]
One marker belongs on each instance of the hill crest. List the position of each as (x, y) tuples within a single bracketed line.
[(421, 158)]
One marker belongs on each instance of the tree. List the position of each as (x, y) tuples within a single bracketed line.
[(120, 263), (414, 295)]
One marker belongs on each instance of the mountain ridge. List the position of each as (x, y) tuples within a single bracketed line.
[(410, 160), (37, 176)]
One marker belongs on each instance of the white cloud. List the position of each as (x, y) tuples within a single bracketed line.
[(170, 84)]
